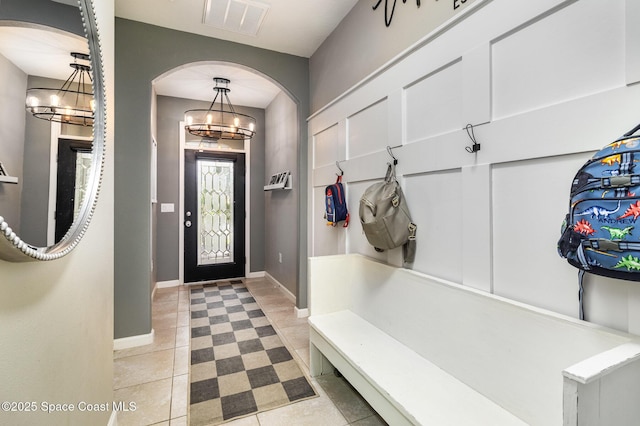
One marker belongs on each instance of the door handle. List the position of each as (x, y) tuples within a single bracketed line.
[(187, 223)]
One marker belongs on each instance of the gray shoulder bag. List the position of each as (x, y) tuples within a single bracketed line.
[(385, 217)]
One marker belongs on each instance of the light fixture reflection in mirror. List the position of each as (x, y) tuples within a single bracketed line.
[(88, 146), (72, 103)]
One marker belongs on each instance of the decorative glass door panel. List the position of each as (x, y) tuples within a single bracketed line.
[(214, 215), (215, 211), (83, 167)]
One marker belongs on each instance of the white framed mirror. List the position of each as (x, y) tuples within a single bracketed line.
[(51, 167)]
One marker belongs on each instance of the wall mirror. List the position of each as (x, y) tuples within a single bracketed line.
[(52, 142)]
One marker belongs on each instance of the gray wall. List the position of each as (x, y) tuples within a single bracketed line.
[(143, 53), (37, 161), (57, 15), (13, 85), (281, 154), (170, 112), (362, 43)]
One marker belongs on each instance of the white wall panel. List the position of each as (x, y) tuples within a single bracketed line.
[(476, 85), (632, 42), (546, 79), (367, 130), (530, 201), (435, 203), (577, 51), (476, 226), (434, 104), (605, 301), (325, 147)]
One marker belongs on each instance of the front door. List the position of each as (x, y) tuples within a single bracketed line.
[(214, 217), (74, 162)]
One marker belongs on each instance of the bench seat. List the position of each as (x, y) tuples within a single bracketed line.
[(389, 367), (422, 350)]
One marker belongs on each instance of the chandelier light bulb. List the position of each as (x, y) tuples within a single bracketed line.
[(236, 121), (55, 100), (251, 126), (209, 118), (92, 104), (33, 102), (189, 120)]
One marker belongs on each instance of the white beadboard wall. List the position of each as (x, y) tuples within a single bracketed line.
[(546, 84)]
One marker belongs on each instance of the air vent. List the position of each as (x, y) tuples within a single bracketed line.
[(240, 16)]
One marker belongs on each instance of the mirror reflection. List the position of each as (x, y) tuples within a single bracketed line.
[(46, 117)]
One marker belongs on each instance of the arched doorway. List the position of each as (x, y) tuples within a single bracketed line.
[(180, 89)]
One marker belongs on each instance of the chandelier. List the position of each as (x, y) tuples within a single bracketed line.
[(71, 104), (220, 123)]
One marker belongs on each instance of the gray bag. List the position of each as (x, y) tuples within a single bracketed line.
[(385, 217)]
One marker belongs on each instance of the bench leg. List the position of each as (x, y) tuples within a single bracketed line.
[(319, 364)]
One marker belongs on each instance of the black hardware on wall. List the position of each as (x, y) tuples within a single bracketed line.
[(388, 17), (476, 146), (395, 160)]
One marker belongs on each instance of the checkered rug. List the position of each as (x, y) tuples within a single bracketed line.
[(239, 365)]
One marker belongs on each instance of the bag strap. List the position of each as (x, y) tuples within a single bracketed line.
[(632, 131), (391, 173), (603, 244), (409, 248), (581, 293)]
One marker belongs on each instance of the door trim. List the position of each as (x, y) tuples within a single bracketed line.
[(247, 229), (56, 133)]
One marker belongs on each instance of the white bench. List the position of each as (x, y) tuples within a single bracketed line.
[(425, 351)]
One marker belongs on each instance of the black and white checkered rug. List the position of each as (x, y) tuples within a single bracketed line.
[(239, 365)]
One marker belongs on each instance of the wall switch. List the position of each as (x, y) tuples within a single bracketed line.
[(280, 257)]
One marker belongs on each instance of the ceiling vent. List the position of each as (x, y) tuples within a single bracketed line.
[(240, 16)]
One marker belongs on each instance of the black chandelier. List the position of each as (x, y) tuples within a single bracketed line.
[(220, 123), (70, 104)]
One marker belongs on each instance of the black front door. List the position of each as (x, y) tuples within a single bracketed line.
[(214, 217), (68, 194)]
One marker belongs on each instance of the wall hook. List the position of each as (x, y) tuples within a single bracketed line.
[(395, 160), (476, 146), (339, 168)]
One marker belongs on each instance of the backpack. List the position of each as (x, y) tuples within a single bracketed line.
[(385, 217), (599, 234), (336, 204)]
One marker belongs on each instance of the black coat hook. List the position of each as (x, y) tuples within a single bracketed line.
[(476, 146), (339, 168), (395, 160)]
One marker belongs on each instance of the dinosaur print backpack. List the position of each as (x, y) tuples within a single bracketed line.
[(600, 234)]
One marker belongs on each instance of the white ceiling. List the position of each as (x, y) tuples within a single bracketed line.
[(295, 27), (40, 51), (196, 82)]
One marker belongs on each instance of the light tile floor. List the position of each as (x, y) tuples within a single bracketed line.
[(156, 377)]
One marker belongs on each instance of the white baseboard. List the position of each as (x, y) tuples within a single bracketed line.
[(167, 284), (113, 419), (163, 284), (259, 274), (287, 293), (133, 341), (301, 313)]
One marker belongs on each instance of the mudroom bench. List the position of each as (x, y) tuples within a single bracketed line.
[(425, 351)]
